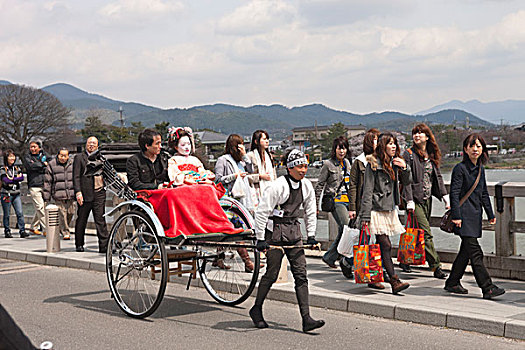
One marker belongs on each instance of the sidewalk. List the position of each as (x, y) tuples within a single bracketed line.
[(424, 302)]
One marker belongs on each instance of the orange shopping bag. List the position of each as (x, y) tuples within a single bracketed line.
[(412, 243), (367, 259)]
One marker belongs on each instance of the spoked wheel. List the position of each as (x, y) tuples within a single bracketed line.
[(135, 249), (225, 277)]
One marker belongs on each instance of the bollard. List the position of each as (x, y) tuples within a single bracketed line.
[(52, 238)]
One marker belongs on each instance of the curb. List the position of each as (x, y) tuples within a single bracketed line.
[(496, 326)]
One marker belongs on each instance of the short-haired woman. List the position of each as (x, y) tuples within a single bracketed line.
[(468, 217), (334, 179), (11, 177)]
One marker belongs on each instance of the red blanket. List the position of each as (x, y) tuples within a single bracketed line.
[(190, 209)]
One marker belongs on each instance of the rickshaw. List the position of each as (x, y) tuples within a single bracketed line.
[(139, 252)]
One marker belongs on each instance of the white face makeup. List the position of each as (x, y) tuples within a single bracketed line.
[(184, 146)]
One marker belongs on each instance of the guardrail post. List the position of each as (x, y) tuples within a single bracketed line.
[(504, 239)]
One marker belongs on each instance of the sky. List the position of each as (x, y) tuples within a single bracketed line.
[(358, 56)]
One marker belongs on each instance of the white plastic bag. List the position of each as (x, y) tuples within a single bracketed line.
[(349, 238), (238, 188)]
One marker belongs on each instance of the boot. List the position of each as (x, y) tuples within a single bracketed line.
[(309, 324), (8, 235), (220, 264), (248, 264), (397, 285), (257, 317)]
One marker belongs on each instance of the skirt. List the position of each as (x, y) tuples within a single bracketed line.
[(385, 223)]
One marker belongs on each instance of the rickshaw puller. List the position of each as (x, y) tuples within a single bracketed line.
[(276, 223)]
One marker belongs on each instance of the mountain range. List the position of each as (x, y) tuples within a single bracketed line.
[(277, 119), (510, 111)]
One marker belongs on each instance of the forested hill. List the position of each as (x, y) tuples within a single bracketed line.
[(229, 118)]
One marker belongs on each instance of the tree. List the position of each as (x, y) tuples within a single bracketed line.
[(93, 126), (162, 128), (28, 113), (336, 130)]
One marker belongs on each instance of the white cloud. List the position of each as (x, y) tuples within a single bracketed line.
[(141, 9), (257, 17)]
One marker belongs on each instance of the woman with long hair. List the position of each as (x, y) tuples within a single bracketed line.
[(263, 169), (383, 173), (334, 179), (468, 217), (424, 158)]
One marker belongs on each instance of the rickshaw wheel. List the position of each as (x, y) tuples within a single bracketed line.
[(134, 249), (227, 281)]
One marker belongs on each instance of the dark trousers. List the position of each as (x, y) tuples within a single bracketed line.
[(297, 260), (98, 207), (470, 250), (11, 336)]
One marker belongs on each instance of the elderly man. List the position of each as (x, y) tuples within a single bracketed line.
[(91, 196), (35, 163)]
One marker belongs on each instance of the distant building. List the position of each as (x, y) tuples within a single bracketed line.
[(302, 136), (520, 127)]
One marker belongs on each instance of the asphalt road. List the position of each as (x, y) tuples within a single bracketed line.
[(73, 309)]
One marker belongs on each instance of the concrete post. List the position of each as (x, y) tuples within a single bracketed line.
[(504, 239), (53, 237)]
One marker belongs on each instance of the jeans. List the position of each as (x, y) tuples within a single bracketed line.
[(341, 217), (16, 201)]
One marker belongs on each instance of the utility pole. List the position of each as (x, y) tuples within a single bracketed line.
[(120, 110)]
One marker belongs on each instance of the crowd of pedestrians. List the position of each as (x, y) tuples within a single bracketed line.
[(364, 192)]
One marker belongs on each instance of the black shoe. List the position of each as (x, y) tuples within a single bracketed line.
[(257, 317), (8, 235), (457, 289), (332, 266), (309, 324), (346, 269), (438, 273), (405, 267), (80, 249), (24, 234), (493, 292)]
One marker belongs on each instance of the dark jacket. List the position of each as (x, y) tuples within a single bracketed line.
[(35, 168), (380, 192), (330, 178), (58, 182), (145, 175), (11, 186), (82, 183), (470, 213), (414, 192), (357, 179)]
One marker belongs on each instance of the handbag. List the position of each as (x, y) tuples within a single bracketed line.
[(446, 223), (412, 243), (349, 238), (367, 259)]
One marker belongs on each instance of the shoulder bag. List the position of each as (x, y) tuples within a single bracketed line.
[(446, 223)]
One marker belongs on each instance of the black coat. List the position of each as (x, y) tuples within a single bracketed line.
[(35, 168), (82, 183), (470, 213), (145, 175)]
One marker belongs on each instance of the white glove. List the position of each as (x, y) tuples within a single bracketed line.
[(411, 205)]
